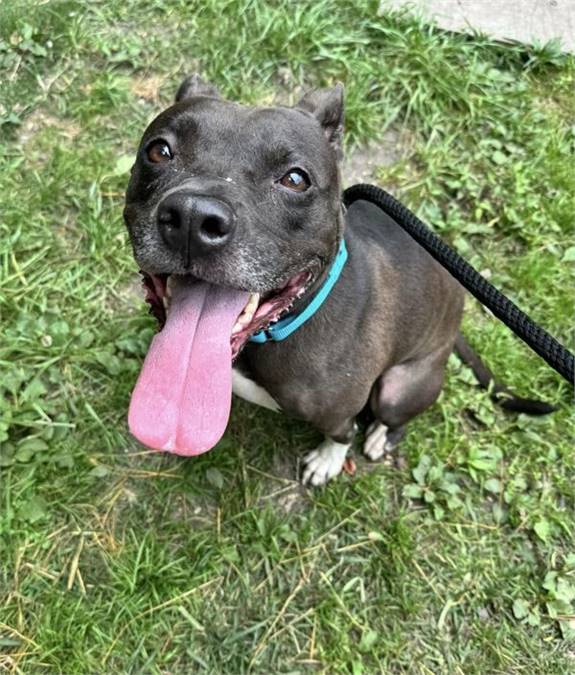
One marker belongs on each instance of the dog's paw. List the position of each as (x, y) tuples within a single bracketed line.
[(376, 441), (324, 463)]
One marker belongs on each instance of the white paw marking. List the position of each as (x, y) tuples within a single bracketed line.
[(375, 440), (247, 389), (324, 463)]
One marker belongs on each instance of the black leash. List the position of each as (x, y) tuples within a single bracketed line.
[(540, 341)]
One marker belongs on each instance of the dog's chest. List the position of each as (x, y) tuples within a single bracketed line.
[(247, 389)]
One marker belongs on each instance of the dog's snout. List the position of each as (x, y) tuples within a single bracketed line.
[(194, 224)]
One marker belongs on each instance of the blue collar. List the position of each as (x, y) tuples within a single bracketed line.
[(283, 328)]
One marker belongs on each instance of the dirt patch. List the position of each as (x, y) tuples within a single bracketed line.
[(292, 497), (361, 165), (288, 91), (201, 513), (130, 296), (39, 120), (147, 87)]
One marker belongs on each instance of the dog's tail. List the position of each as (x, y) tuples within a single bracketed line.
[(500, 394)]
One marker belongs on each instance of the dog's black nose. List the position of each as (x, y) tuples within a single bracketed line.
[(191, 223)]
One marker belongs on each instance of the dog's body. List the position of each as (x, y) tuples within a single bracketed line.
[(383, 335)]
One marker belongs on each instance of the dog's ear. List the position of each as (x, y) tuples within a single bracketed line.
[(195, 86), (326, 105)]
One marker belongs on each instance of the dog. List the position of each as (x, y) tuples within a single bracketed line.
[(236, 221)]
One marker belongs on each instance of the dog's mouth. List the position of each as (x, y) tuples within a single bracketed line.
[(259, 313), (181, 402)]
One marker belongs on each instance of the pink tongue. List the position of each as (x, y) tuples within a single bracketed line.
[(181, 402)]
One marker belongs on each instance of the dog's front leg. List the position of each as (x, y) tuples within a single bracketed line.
[(326, 461)]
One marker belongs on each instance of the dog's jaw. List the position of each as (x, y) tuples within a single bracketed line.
[(258, 314)]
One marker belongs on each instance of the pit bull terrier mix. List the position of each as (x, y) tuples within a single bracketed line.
[(235, 217)]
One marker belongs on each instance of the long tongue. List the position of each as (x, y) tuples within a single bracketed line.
[(181, 402)]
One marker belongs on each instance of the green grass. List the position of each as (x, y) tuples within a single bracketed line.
[(459, 557)]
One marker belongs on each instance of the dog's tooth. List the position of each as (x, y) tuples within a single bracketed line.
[(244, 319), (237, 327), (249, 310), (252, 302), (169, 287)]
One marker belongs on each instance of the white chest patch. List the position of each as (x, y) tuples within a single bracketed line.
[(247, 389)]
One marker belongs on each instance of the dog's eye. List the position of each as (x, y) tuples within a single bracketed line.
[(158, 152), (296, 180)]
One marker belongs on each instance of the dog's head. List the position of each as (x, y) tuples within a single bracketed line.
[(237, 205), (238, 196)]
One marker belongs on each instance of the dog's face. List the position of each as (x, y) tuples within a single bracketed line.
[(247, 198)]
